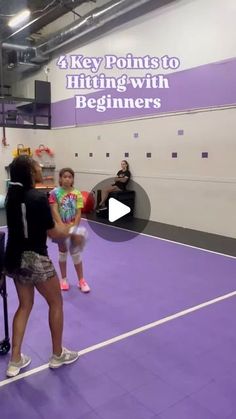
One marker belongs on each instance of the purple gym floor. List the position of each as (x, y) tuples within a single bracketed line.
[(184, 368)]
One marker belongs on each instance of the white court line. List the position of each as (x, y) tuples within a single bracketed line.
[(125, 335), (158, 238), (162, 239)]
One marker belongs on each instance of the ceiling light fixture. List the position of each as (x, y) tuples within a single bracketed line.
[(19, 18)]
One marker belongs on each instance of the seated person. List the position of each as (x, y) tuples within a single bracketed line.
[(121, 181)]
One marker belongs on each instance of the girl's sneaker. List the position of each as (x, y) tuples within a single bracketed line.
[(83, 286), (64, 285)]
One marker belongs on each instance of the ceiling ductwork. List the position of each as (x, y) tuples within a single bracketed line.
[(15, 47), (89, 23), (21, 58)]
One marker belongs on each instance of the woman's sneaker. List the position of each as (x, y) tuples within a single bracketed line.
[(14, 368), (66, 357)]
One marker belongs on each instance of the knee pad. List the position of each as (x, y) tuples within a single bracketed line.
[(80, 231), (76, 258), (62, 256)]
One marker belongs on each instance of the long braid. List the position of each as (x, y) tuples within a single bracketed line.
[(21, 181)]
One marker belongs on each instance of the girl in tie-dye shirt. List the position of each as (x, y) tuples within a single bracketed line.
[(66, 203)]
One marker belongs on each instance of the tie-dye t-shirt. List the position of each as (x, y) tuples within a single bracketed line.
[(68, 203)]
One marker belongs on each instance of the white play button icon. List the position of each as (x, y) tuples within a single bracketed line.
[(117, 210)]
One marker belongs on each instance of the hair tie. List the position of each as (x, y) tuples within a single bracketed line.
[(16, 184)]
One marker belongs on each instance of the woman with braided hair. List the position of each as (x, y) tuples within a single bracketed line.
[(29, 222)]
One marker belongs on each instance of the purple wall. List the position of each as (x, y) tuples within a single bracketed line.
[(210, 85)]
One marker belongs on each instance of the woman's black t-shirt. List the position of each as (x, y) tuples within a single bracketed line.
[(122, 185), (37, 219)]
